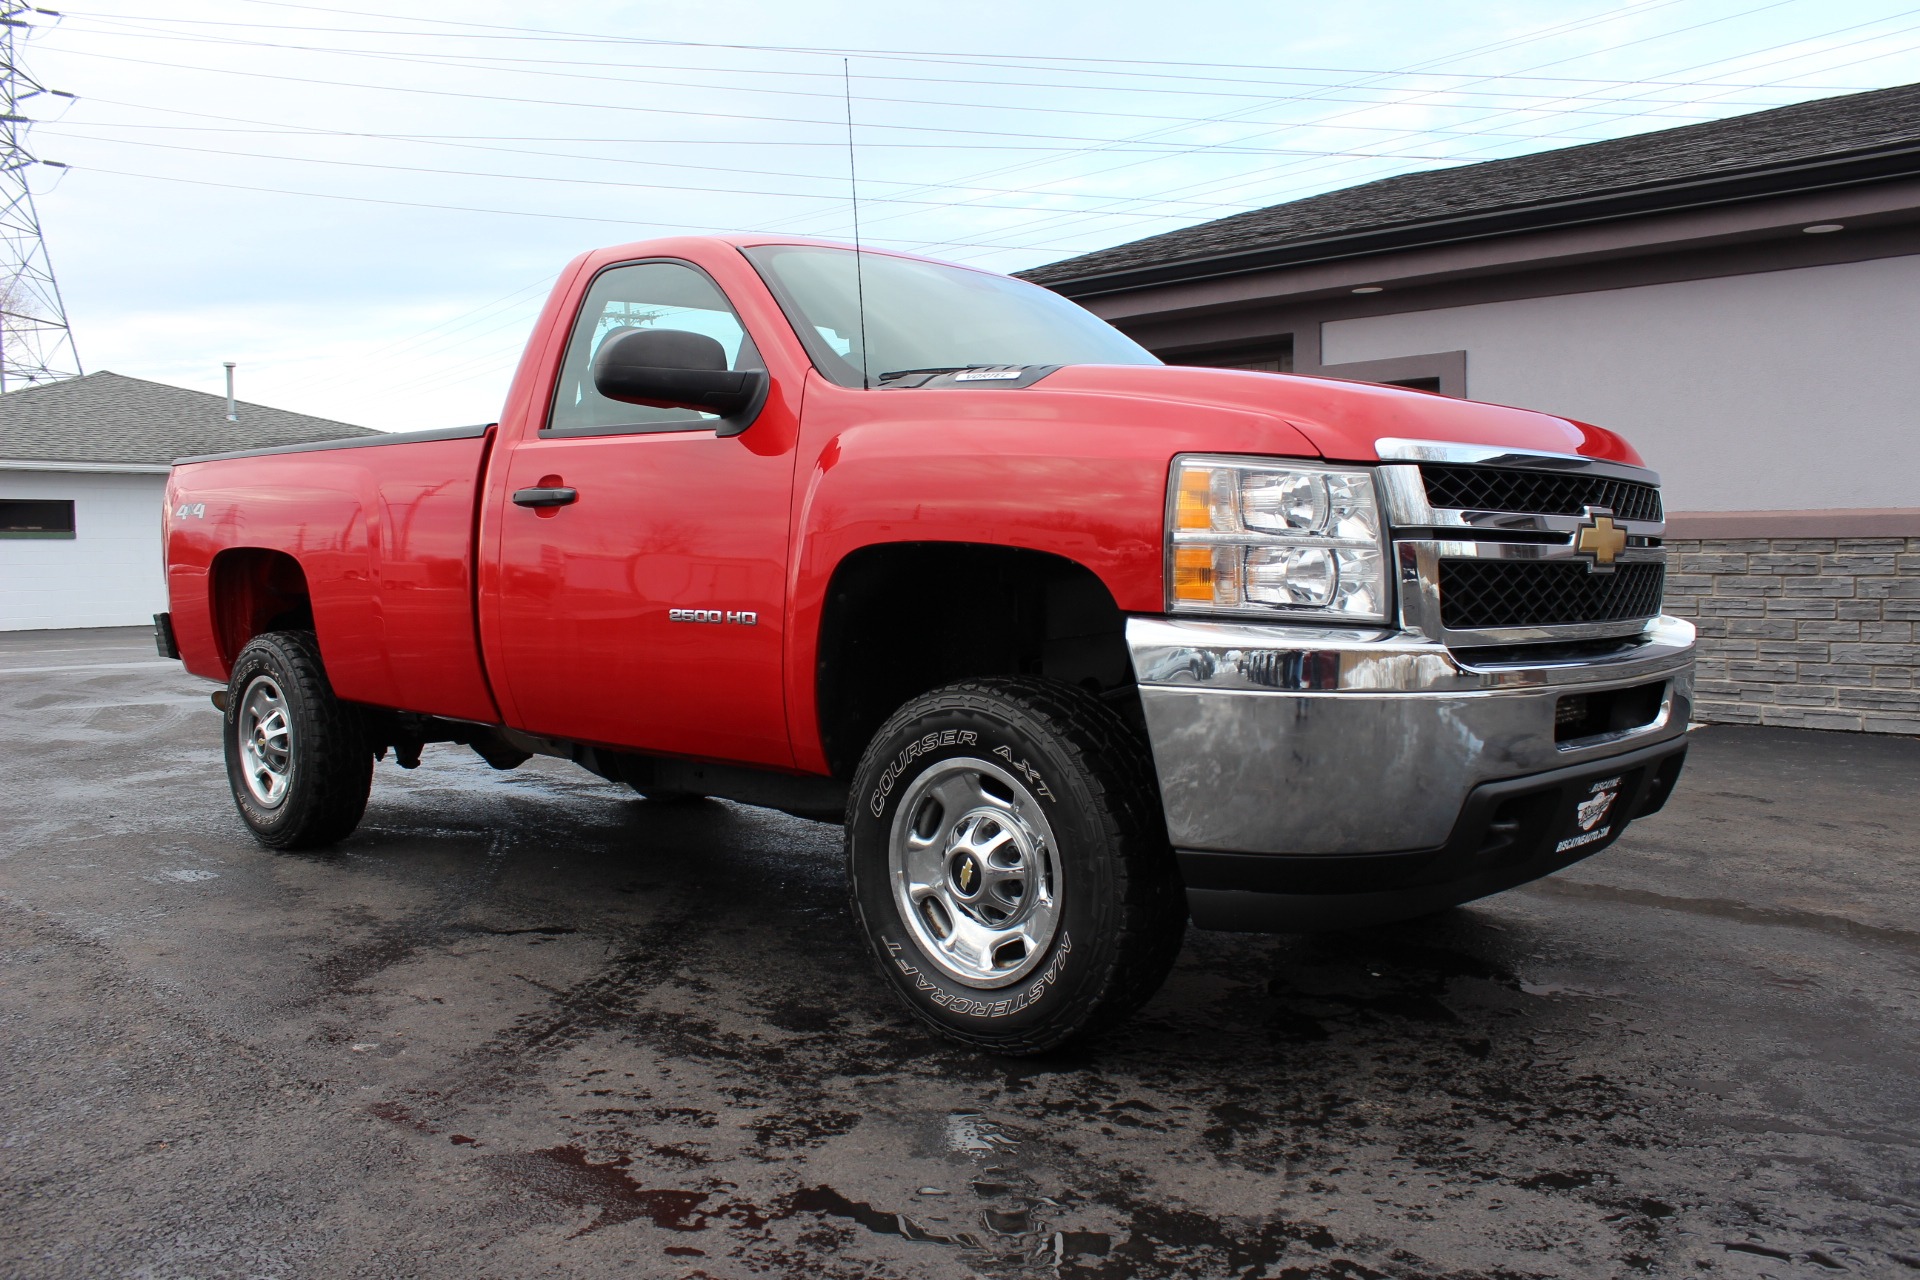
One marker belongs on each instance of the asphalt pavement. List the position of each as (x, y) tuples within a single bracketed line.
[(528, 1024)]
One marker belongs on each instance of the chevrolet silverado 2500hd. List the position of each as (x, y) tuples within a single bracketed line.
[(1077, 645)]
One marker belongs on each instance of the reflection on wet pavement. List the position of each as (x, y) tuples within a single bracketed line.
[(527, 1023)]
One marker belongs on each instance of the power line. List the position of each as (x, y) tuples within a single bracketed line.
[(513, 306), (976, 201), (268, 129), (1132, 211), (1795, 57), (1562, 28), (1057, 61), (1737, 58), (679, 112), (684, 228), (491, 63), (1065, 220), (1561, 108), (1144, 145), (534, 177)]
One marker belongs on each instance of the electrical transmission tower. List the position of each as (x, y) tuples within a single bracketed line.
[(36, 343)]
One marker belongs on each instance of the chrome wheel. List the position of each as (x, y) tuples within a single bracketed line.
[(264, 734), (976, 873)]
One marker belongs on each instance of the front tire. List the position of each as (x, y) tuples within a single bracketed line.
[(297, 756), (1009, 864)]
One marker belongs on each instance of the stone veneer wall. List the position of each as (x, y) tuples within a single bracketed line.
[(1811, 633)]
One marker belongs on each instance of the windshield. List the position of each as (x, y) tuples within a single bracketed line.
[(925, 315)]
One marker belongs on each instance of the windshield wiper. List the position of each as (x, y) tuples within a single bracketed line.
[(942, 368)]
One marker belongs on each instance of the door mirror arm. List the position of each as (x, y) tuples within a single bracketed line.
[(753, 394), (675, 369)]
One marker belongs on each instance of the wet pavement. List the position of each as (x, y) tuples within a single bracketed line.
[(528, 1024)]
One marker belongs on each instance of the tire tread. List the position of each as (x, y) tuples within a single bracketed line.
[(1117, 769), (333, 748)]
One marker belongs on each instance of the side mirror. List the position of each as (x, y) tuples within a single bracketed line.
[(675, 369)]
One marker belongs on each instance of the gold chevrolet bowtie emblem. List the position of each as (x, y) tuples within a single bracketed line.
[(1603, 540), (966, 876)]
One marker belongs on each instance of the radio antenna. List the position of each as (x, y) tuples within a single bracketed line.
[(853, 186)]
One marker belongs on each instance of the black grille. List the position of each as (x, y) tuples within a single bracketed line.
[(1478, 594), (1537, 492)]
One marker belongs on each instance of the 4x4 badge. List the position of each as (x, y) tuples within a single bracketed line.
[(1602, 539)]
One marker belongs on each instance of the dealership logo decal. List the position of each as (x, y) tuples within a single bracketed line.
[(1590, 813)]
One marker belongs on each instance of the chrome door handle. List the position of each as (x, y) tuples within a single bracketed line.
[(545, 497)]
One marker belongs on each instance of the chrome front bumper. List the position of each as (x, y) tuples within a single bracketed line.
[(1292, 740)]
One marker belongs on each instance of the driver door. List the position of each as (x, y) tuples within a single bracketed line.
[(647, 611)]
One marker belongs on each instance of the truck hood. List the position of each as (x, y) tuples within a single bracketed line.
[(1342, 419)]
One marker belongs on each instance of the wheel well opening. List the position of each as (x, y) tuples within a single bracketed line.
[(256, 590), (904, 618)]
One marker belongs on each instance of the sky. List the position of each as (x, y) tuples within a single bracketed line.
[(363, 205)]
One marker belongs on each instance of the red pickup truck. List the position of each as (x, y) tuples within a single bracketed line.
[(1077, 645)]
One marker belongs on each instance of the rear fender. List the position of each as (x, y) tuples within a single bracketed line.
[(255, 590)]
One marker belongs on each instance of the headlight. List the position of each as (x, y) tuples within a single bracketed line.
[(1265, 538)]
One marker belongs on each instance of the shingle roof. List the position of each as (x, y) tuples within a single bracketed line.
[(1858, 137), (107, 418)]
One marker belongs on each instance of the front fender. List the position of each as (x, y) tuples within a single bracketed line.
[(1078, 476)]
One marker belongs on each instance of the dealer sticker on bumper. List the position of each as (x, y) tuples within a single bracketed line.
[(1590, 815)]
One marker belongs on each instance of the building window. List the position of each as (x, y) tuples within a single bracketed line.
[(36, 518), (1275, 356), (1282, 363), (1444, 372)]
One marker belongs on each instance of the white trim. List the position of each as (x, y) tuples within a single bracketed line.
[(123, 468)]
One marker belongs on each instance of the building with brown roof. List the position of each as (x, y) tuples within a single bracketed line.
[(1739, 298), (83, 473)]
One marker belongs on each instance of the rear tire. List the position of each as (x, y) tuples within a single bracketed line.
[(297, 757), (1009, 864)]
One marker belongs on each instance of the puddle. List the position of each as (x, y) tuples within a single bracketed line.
[(1572, 1180), (969, 1132), (543, 930), (879, 1221), (1008, 1222), (566, 1175), (807, 1129), (1741, 913), (396, 1113)]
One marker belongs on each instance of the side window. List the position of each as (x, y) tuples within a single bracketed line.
[(645, 295)]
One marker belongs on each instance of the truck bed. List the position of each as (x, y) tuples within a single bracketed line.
[(385, 527)]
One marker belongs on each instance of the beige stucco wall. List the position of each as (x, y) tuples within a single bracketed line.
[(1782, 390)]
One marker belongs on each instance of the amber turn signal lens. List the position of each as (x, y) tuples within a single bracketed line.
[(1194, 507), (1193, 574)]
